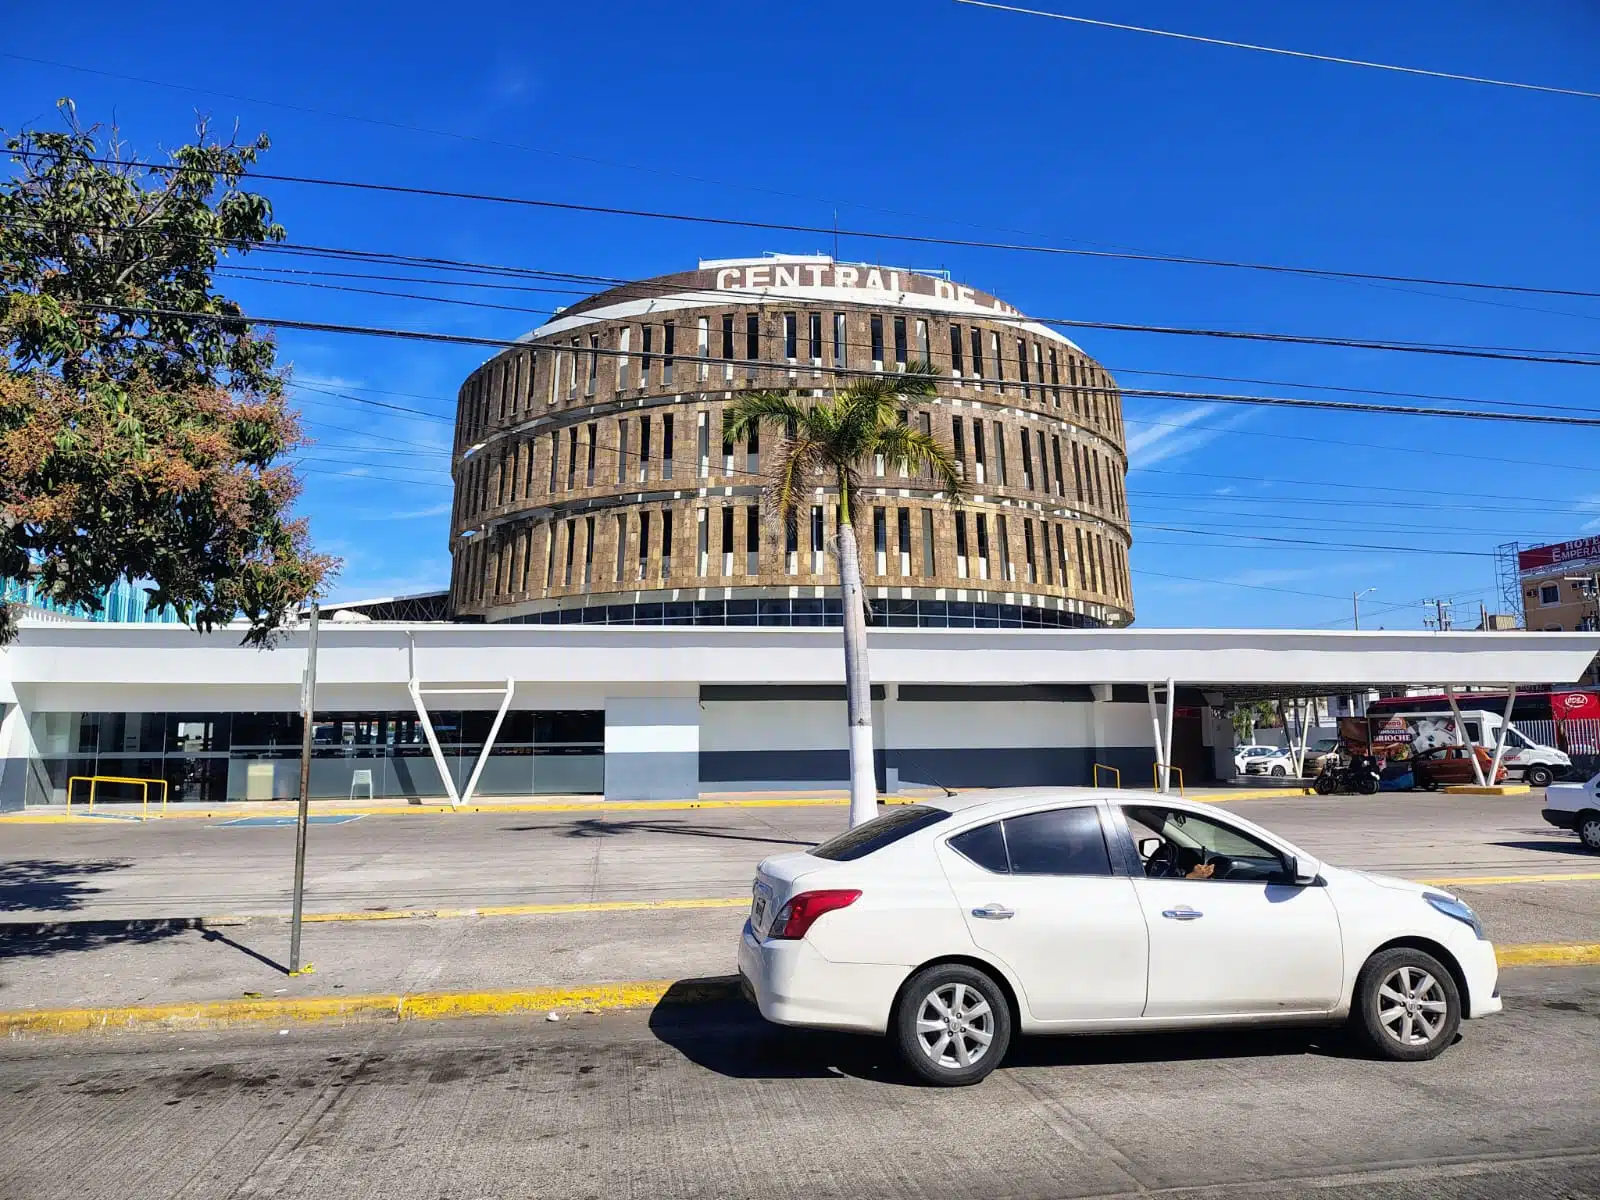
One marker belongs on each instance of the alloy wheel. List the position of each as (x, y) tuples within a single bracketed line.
[(955, 1026), (1411, 1006)]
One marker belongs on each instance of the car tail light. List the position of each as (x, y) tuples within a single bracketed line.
[(800, 912)]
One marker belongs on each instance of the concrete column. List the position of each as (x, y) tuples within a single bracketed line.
[(16, 748), (653, 746)]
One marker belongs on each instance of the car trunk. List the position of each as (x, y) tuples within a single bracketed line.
[(777, 879)]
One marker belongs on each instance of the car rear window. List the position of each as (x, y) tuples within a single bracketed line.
[(879, 832)]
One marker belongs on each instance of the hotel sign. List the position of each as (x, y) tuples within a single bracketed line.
[(1540, 559)]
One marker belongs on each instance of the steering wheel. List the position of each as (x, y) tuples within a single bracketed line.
[(1163, 862)]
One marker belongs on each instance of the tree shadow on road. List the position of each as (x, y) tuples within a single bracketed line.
[(599, 827), (731, 1038), (52, 885)]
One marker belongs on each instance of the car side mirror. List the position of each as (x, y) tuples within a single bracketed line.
[(1303, 871), (1148, 846)]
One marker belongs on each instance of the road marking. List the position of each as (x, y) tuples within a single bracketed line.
[(525, 910), (1497, 880), (232, 814), (279, 822)]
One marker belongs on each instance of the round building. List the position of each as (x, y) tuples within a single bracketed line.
[(593, 482)]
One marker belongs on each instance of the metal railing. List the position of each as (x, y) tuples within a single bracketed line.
[(1155, 775), (94, 780), (1094, 775)]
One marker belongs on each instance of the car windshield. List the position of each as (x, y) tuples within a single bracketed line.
[(879, 832)]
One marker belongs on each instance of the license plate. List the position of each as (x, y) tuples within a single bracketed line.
[(760, 902)]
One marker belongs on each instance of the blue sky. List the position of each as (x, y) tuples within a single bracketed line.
[(929, 117)]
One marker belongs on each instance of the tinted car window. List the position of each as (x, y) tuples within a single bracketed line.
[(1061, 841), (985, 845), (879, 832)]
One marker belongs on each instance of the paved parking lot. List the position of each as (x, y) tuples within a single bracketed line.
[(707, 1102), (201, 868)]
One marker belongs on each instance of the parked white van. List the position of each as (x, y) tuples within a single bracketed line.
[(1535, 764)]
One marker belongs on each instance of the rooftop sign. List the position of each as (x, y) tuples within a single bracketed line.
[(1540, 559)]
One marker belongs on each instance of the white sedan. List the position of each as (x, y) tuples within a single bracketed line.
[(950, 924)]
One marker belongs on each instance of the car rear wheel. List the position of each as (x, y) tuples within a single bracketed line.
[(1428, 783), (952, 1024), (1589, 830), (1538, 776), (1407, 1005)]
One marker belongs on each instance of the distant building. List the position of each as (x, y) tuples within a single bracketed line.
[(1560, 587), (124, 604), (594, 482)]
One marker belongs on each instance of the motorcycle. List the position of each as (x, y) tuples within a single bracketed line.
[(1359, 775)]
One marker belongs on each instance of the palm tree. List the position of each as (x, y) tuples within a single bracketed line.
[(822, 445)]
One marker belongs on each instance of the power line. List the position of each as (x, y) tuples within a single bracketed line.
[(1303, 542), (451, 300), (1455, 350), (1327, 58), (502, 343), (825, 231)]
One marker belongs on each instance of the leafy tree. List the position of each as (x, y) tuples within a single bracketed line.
[(1249, 715), (142, 420), (823, 444)]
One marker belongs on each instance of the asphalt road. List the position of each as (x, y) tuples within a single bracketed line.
[(706, 1101), (116, 869)]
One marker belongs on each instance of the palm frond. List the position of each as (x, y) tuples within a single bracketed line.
[(753, 409), (795, 473), (918, 379), (911, 450)]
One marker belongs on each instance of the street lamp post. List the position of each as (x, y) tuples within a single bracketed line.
[(1355, 604)]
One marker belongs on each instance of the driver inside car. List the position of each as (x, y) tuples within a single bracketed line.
[(1170, 859)]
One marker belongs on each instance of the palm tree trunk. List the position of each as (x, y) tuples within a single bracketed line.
[(857, 681)]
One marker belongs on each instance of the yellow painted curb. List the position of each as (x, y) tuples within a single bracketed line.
[(1498, 789), (1554, 954), (417, 1006), (1497, 880), (434, 1006), (1283, 793)]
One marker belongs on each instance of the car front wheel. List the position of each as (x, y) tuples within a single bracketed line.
[(1538, 776), (952, 1024), (1279, 771), (1407, 1005)]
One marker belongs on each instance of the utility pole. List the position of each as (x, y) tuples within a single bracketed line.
[(1355, 604), (308, 709), (1440, 621)]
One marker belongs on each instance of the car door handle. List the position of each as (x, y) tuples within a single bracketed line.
[(1182, 913), (994, 912)]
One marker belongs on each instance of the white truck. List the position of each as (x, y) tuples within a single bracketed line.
[(1575, 806), (1524, 758)]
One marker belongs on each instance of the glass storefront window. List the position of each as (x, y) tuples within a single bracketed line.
[(207, 758)]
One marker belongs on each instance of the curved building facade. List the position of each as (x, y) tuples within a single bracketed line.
[(593, 482)]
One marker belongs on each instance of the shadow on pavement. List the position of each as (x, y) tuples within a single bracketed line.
[(731, 1038), (1549, 845), (41, 940), (51, 885), (599, 827)]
